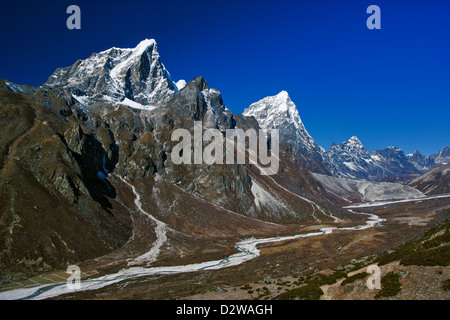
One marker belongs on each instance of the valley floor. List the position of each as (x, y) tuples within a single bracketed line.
[(282, 265)]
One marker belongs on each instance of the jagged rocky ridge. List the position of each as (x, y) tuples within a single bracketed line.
[(424, 163), (351, 160)]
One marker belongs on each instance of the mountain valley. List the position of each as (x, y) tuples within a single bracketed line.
[(87, 179)]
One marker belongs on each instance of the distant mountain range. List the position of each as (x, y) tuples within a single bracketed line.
[(348, 159)]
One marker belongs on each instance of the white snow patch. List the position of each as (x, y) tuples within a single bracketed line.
[(262, 197), (351, 166), (180, 84), (83, 100), (135, 105)]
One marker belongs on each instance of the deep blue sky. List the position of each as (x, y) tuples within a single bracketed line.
[(388, 86)]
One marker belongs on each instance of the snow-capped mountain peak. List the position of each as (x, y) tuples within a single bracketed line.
[(353, 144), (354, 140), (116, 75), (280, 112), (275, 112), (133, 56)]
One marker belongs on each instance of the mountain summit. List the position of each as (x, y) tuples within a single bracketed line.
[(354, 143), (349, 159), (130, 76), (280, 112)]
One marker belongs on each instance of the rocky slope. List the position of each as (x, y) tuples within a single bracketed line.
[(53, 187), (435, 181)]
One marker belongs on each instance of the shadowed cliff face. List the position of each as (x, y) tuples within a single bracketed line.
[(54, 207)]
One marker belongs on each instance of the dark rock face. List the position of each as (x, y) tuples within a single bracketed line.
[(225, 185), (53, 186)]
